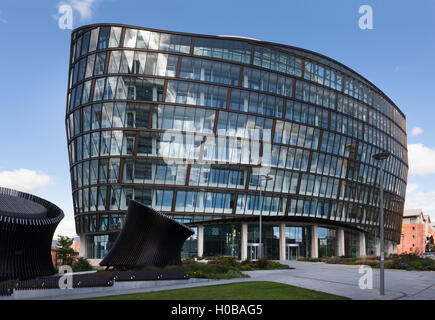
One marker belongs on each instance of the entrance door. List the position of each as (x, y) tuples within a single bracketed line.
[(253, 251), (292, 251), (234, 250)]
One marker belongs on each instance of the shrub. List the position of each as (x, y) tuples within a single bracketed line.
[(309, 259), (187, 260), (262, 263), (417, 265), (367, 262), (245, 268), (388, 264), (352, 260), (82, 264), (230, 261), (335, 260), (246, 262), (277, 265)]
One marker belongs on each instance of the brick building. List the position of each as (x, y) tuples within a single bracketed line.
[(417, 232)]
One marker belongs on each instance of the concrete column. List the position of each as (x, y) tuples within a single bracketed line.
[(378, 247), (83, 247), (341, 251), (314, 242), (244, 242), (200, 241), (362, 244), (282, 242)]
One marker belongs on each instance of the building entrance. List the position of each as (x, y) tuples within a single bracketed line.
[(253, 251), (292, 251)]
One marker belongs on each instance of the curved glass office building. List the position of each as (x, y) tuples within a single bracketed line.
[(192, 124)]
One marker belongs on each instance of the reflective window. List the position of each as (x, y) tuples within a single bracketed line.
[(136, 62), (267, 81), (253, 102), (202, 201), (224, 49), (211, 71), (103, 39), (246, 126), (196, 94), (115, 35), (156, 41), (277, 61), (183, 118)]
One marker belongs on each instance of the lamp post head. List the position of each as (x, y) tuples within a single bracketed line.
[(381, 156)]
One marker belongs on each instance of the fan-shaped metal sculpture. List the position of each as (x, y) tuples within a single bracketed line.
[(27, 225), (147, 238)]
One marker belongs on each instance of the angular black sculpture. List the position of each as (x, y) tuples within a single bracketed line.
[(27, 225), (148, 238)]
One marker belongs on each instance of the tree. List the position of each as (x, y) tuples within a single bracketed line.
[(64, 250)]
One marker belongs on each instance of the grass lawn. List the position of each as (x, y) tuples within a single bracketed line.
[(255, 290)]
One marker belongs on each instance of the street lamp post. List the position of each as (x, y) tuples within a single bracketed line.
[(381, 156), (266, 178)]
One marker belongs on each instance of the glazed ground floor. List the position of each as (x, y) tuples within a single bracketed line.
[(280, 241)]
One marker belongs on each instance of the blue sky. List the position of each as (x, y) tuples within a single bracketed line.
[(396, 55)]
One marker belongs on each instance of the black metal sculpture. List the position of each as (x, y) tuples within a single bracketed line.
[(27, 225), (147, 238)]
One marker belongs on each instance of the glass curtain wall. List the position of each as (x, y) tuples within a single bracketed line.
[(327, 242), (99, 245), (270, 239), (351, 243), (370, 244), (190, 246), (300, 239), (222, 240)]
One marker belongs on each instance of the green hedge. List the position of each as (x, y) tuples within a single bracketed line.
[(394, 261)]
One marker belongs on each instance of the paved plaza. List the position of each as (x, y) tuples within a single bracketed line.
[(330, 278)]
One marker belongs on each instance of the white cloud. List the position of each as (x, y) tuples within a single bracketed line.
[(65, 228), (424, 200), (411, 187), (24, 179), (4, 21), (416, 131), (85, 8), (421, 159)]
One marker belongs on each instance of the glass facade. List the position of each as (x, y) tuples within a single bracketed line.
[(222, 240), (298, 242), (351, 243), (131, 89), (190, 246), (370, 245), (270, 240), (327, 242)]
